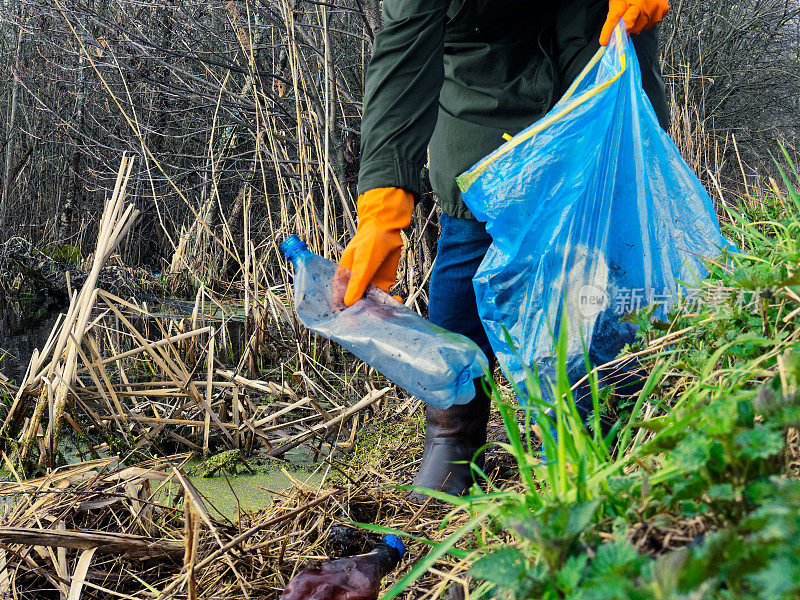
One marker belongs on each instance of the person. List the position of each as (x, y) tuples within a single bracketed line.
[(450, 78)]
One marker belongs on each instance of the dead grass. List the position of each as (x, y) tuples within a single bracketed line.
[(55, 530)]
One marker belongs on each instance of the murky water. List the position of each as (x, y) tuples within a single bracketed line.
[(251, 491), (227, 495), (17, 342), (248, 492)]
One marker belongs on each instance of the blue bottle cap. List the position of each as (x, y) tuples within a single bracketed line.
[(292, 246), (394, 541)]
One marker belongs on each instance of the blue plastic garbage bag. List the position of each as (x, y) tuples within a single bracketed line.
[(593, 214)]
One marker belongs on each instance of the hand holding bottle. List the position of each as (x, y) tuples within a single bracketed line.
[(435, 365), (374, 253), (351, 578)]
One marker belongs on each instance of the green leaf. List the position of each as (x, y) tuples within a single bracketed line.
[(623, 484), (793, 279), (557, 524), (569, 576), (759, 491), (722, 491), (666, 572), (615, 558), (779, 579), (581, 516), (744, 413), (614, 572), (656, 425), (505, 567), (693, 453), (759, 442)]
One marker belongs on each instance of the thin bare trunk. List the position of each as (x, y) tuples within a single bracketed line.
[(11, 124)]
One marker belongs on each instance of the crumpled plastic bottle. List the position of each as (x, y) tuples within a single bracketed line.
[(435, 365), (351, 578)]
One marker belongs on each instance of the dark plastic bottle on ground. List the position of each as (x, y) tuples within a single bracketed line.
[(435, 365), (350, 578)]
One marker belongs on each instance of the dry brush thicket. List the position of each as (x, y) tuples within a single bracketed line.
[(231, 105), (733, 73), (119, 383), (239, 123)]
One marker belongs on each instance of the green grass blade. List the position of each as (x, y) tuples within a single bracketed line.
[(440, 550)]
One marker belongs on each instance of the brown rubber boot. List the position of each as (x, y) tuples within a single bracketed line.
[(452, 435)]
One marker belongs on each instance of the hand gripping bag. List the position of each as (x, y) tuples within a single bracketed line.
[(593, 214)]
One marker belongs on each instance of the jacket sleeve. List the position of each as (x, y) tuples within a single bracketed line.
[(401, 98)]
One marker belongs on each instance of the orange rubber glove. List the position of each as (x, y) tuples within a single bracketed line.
[(374, 253), (637, 14)]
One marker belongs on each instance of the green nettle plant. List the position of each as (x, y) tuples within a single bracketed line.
[(705, 442)]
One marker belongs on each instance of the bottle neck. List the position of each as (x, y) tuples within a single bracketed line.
[(293, 247), (386, 557)]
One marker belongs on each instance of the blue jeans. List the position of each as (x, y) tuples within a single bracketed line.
[(451, 304), (462, 246)]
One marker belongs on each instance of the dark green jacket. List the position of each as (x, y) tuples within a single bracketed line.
[(455, 75)]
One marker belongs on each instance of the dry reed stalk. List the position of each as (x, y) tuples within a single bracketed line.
[(209, 392), (79, 576), (255, 557), (107, 542), (192, 533), (327, 426), (189, 408), (115, 222)]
